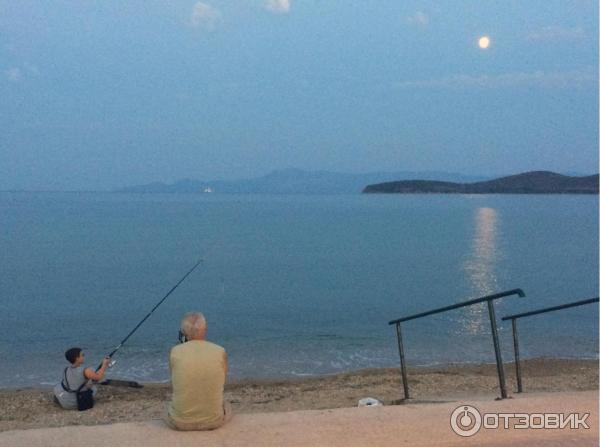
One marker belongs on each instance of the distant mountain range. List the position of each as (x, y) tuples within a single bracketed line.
[(535, 182), (295, 181)]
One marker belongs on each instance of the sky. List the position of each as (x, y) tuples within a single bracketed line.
[(99, 94)]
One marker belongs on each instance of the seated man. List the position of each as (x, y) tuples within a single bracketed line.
[(198, 371)]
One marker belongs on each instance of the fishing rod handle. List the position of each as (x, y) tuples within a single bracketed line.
[(100, 365)]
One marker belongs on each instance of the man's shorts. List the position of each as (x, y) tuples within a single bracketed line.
[(185, 426)]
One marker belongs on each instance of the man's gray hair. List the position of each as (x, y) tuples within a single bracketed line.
[(192, 323)]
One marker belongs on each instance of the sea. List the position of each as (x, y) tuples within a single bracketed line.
[(291, 285)]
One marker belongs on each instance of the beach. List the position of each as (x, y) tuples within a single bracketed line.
[(29, 408)]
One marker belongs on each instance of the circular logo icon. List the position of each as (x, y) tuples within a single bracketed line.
[(465, 420)]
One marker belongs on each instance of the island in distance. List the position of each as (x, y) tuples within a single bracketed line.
[(296, 181), (535, 182)]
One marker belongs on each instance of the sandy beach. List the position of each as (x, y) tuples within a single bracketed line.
[(33, 407)]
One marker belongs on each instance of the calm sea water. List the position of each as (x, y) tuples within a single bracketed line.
[(290, 285)]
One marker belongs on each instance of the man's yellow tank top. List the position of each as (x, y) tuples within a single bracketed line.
[(198, 378)]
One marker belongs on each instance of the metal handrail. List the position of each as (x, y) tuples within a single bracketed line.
[(514, 318), (461, 304), (490, 302), (550, 309)]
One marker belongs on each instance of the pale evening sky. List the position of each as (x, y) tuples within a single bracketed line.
[(102, 94)]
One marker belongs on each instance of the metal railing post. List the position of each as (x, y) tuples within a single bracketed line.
[(499, 364), (517, 356), (531, 313), (489, 299), (402, 361)]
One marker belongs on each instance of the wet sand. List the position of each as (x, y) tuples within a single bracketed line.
[(34, 408)]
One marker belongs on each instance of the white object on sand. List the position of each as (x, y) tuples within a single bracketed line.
[(369, 402)]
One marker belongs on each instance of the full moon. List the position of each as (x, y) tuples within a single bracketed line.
[(484, 42)]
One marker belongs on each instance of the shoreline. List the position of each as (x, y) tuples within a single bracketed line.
[(25, 408), (301, 377)]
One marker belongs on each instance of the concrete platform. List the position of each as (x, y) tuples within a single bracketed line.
[(413, 424)]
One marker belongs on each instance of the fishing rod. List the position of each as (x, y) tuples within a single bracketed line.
[(151, 312)]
